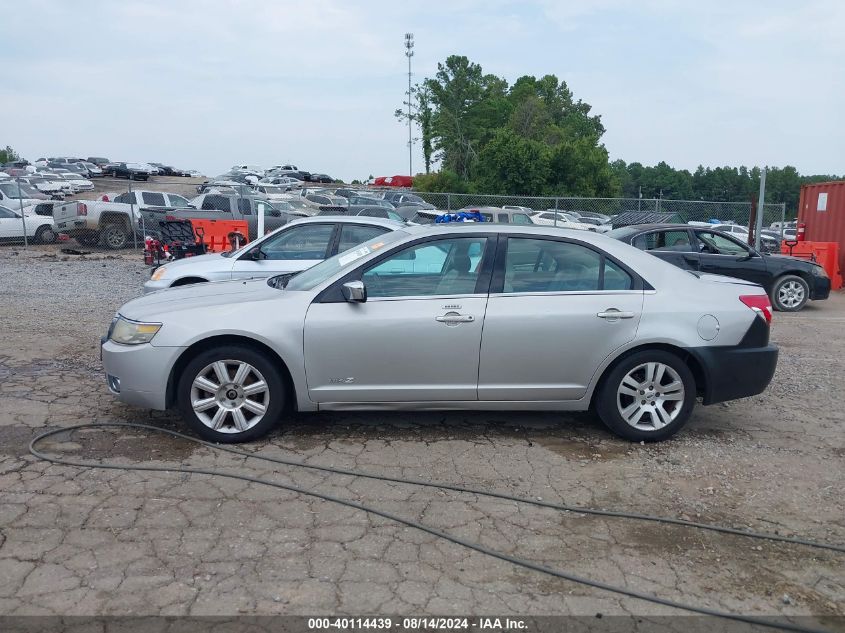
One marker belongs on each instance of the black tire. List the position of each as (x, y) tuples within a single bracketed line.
[(45, 235), (88, 239), (274, 400), (115, 236), (790, 293), (608, 400)]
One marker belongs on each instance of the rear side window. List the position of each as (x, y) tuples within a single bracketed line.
[(503, 218), (244, 206), (534, 265), (216, 203), (153, 199), (521, 218), (664, 241)]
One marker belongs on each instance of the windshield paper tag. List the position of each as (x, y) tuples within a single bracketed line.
[(353, 255)]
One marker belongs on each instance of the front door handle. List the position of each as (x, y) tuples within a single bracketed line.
[(611, 314), (453, 318)]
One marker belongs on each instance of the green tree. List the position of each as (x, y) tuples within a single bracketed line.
[(513, 164), (8, 155)]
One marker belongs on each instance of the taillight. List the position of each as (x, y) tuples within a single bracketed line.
[(83, 209), (760, 304)]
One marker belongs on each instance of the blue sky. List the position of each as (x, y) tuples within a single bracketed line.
[(207, 84)]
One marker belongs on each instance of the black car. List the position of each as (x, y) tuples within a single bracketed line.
[(324, 178), (789, 281), (130, 171)]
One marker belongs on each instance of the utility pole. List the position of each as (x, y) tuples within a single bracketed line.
[(409, 53), (23, 217), (761, 201)]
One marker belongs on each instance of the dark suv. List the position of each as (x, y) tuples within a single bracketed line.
[(789, 281), (130, 171)]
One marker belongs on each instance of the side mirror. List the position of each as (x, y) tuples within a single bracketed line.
[(354, 291)]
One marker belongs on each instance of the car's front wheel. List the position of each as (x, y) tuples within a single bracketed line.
[(648, 396), (231, 394), (790, 293)]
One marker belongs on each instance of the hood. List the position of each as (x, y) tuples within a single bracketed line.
[(199, 262), (788, 258), (200, 297)]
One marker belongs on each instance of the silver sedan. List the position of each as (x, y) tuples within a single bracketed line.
[(466, 316)]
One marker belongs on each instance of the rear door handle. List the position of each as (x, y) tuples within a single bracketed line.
[(612, 314), (454, 317)]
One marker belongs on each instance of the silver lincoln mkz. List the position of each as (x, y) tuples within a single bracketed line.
[(467, 316)]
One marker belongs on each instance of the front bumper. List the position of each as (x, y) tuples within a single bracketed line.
[(820, 288), (153, 286), (141, 372)]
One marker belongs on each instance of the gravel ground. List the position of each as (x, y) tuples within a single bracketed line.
[(88, 542)]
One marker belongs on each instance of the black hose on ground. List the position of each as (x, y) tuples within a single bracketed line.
[(759, 621)]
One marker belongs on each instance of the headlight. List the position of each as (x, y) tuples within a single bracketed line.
[(158, 273), (128, 332), (819, 271)]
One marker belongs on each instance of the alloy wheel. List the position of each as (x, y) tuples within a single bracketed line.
[(650, 396), (230, 396), (791, 294)]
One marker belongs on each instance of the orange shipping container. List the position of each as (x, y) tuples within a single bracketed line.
[(822, 208)]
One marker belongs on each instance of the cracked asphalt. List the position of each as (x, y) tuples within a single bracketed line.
[(94, 542)]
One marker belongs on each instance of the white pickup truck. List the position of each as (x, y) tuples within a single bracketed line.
[(113, 219)]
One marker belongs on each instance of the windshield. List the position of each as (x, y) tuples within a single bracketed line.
[(314, 276), (11, 189)]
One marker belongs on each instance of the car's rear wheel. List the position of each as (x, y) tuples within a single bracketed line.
[(45, 235), (790, 293), (231, 394), (647, 396), (115, 236)]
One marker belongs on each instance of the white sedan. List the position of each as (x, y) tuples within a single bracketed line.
[(78, 182), (39, 228), (561, 220)]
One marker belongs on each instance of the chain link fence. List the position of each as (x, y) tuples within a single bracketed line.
[(113, 203), (682, 211)]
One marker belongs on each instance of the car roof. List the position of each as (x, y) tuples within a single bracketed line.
[(497, 227), (350, 219), (665, 225)]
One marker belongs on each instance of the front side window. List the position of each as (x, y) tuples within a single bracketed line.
[(440, 267), (302, 242), (124, 198), (177, 201), (664, 241), (535, 265), (243, 206), (716, 244), (353, 234), (153, 199)]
